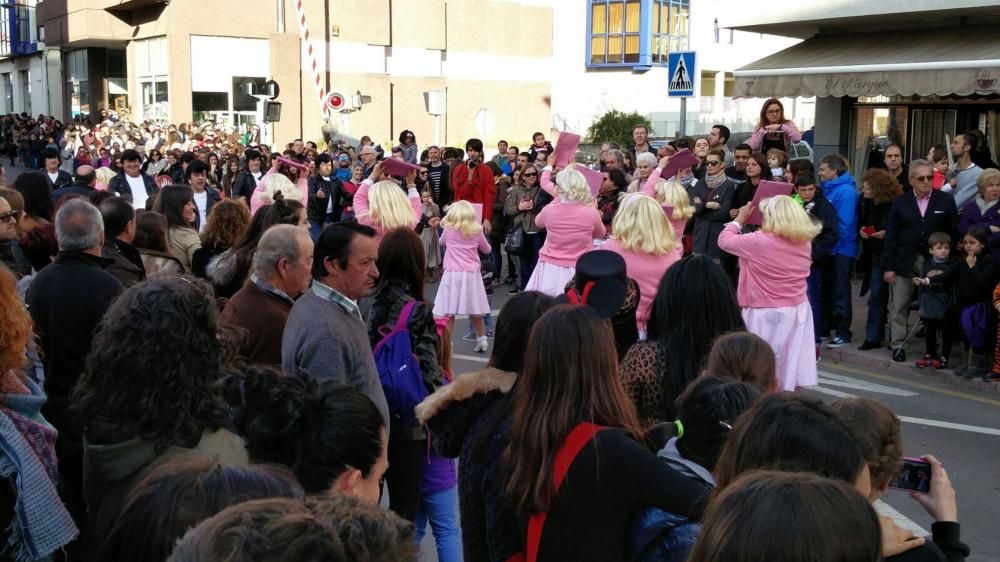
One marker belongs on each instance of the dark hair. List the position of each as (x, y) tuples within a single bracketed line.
[(516, 318), (970, 139), (835, 162), (981, 234), (37, 191), (117, 213), (323, 158), (332, 527), (707, 409), (494, 168), (792, 433), (85, 178), (743, 146), (317, 428), (878, 433), (171, 201), (150, 231), (180, 494), (153, 364), (801, 166), (334, 244), (765, 169), (745, 357), (282, 211), (694, 304), (187, 157), (938, 238), (53, 153), (39, 245), (782, 517), (404, 134), (618, 178), (251, 154), (805, 178), (196, 167), (401, 258), (130, 154), (474, 144), (724, 132)]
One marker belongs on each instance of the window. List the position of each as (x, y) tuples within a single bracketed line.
[(77, 83), (25, 78), (635, 33), (8, 93), (150, 57)]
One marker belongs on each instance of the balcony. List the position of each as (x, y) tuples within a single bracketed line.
[(18, 31)]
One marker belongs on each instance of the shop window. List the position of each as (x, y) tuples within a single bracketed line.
[(636, 33), (242, 101)]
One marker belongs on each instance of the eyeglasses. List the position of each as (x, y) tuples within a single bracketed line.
[(923, 178), (713, 162), (532, 175), (775, 110), (423, 173), (9, 217)]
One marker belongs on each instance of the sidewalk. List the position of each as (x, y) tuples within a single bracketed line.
[(880, 360)]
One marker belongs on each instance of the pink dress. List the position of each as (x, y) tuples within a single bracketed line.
[(462, 290)]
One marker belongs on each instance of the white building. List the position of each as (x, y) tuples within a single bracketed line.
[(27, 69)]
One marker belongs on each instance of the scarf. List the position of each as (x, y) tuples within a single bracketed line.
[(715, 181), (41, 524), (983, 205)]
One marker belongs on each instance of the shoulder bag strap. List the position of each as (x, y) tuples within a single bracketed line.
[(404, 315)]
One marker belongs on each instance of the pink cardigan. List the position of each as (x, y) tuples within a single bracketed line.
[(462, 252), (792, 134), (361, 210), (646, 270), (773, 269), (570, 227)]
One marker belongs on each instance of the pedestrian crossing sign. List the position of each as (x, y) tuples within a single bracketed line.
[(681, 72)]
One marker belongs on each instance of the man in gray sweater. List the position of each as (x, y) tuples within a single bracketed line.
[(325, 335)]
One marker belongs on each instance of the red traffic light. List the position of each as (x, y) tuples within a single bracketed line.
[(336, 102)]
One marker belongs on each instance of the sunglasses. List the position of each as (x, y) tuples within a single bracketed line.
[(923, 178), (423, 173), (9, 217), (531, 175), (713, 162)]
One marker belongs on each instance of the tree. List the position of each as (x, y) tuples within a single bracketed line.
[(616, 126)]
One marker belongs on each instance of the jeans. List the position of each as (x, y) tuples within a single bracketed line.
[(814, 290), (315, 228), (529, 256), (840, 320), (441, 509), (496, 256), (877, 300)]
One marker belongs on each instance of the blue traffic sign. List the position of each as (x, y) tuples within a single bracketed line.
[(681, 73)]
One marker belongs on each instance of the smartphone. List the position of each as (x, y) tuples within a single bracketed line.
[(915, 476)]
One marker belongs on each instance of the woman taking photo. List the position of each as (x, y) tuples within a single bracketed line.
[(774, 266), (878, 191), (176, 204), (569, 417), (525, 201), (773, 130)]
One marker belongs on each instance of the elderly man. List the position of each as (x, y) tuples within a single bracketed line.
[(368, 157), (67, 300), (131, 183), (326, 335), (281, 273), (912, 218), (84, 184)]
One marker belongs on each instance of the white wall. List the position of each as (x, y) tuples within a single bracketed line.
[(216, 60), (35, 66)]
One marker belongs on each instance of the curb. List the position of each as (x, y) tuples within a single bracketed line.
[(881, 361)]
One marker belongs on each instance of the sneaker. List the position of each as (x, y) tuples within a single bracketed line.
[(925, 362), (471, 336), (482, 344), (992, 376), (869, 345), (514, 290), (838, 342)]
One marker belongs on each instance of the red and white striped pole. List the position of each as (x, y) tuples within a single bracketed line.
[(317, 77)]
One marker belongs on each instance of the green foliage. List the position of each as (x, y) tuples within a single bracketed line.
[(616, 126)]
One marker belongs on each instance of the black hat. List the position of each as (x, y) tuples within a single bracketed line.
[(601, 282)]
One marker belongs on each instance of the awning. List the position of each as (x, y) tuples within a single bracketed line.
[(925, 62), (135, 12)]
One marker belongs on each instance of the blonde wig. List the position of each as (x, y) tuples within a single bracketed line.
[(641, 226), (786, 218), (573, 187), (674, 195), (273, 183), (462, 217), (389, 207), (104, 176)]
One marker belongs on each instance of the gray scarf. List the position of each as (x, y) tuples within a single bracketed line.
[(983, 205)]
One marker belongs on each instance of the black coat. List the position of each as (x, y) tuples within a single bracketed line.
[(316, 211), (63, 179), (244, 185), (821, 210), (708, 223), (67, 300), (907, 232), (119, 185), (213, 197)]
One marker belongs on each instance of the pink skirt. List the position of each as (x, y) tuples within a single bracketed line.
[(461, 292), (789, 330), (550, 279)]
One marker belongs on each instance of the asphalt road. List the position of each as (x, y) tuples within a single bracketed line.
[(960, 429)]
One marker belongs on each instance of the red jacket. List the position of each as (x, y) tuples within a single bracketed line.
[(481, 189)]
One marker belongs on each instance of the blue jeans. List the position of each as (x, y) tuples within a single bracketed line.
[(840, 292), (877, 301), (529, 256), (315, 228), (441, 509), (814, 290)]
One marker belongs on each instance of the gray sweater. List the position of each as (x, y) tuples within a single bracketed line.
[(324, 340)]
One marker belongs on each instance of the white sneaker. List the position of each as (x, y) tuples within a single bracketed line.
[(481, 345)]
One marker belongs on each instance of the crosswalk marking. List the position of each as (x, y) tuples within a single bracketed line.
[(902, 521), (831, 379), (474, 358), (950, 425)]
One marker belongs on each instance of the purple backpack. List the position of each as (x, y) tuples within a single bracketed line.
[(399, 371)]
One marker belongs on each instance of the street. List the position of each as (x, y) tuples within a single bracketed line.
[(960, 429)]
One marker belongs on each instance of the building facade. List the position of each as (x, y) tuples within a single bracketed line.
[(915, 73), (27, 68)]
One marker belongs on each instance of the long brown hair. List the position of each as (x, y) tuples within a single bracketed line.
[(879, 435), (570, 376), (401, 257), (763, 112)]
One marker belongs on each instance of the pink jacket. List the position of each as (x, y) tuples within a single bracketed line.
[(361, 210), (462, 252), (646, 270), (773, 269), (792, 134), (570, 228)]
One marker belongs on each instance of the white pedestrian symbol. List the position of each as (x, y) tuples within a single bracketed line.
[(681, 79)]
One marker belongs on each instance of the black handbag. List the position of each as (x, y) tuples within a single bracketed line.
[(514, 244)]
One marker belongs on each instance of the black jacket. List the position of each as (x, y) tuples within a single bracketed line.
[(821, 210), (708, 223), (119, 185), (244, 185), (127, 266), (67, 300), (63, 179), (316, 211), (73, 189), (213, 197), (907, 232)]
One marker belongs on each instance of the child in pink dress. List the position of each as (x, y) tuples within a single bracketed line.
[(462, 290), (774, 265)]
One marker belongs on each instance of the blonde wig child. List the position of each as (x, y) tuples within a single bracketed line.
[(103, 175), (573, 187), (462, 217), (675, 196), (786, 218), (641, 226), (389, 207)]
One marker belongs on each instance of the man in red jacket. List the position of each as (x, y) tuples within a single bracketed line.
[(473, 182)]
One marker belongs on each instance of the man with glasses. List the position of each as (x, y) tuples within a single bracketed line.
[(912, 218), (841, 191), (11, 256)]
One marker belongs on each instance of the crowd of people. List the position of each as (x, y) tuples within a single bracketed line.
[(234, 355)]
